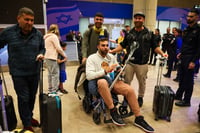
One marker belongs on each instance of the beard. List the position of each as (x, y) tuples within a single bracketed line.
[(103, 53), (190, 21), (138, 24)]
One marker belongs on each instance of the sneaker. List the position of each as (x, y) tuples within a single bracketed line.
[(140, 101), (63, 91), (59, 93), (34, 123), (53, 94), (166, 75), (141, 123), (183, 104), (116, 118), (30, 128)]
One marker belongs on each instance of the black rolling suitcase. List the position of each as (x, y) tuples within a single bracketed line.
[(163, 97), (50, 111), (8, 119)]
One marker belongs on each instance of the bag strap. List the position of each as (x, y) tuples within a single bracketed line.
[(160, 69)]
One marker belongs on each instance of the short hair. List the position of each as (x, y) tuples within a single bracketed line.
[(103, 39), (194, 10), (99, 14), (63, 44), (25, 10), (127, 26)]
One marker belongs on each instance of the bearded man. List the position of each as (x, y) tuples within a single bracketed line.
[(139, 66), (189, 54)]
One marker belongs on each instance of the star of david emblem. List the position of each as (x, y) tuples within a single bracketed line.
[(64, 18)]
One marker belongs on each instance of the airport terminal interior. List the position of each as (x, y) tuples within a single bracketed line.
[(75, 120)]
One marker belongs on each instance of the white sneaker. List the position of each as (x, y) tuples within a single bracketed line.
[(52, 94), (58, 93)]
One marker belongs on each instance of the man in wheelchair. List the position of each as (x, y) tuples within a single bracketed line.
[(98, 67)]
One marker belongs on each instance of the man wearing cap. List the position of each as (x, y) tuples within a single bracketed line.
[(139, 66)]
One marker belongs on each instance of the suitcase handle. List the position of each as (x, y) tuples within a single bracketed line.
[(5, 124), (160, 69), (41, 79), (3, 80)]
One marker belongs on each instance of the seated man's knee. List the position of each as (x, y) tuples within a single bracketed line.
[(102, 82)]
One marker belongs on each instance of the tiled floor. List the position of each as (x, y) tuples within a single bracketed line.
[(75, 120)]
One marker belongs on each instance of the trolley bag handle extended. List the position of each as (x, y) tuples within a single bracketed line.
[(3, 80), (133, 47), (5, 122), (160, 69), (41, 78)]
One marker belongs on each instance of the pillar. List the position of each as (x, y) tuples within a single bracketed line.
[(149, 8)]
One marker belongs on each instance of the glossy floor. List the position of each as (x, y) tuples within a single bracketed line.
[(75, 120)]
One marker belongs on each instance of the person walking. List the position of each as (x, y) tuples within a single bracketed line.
[(25, 51), (190, 53)]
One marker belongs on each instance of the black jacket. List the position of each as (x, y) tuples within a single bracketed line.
[(146, 40)]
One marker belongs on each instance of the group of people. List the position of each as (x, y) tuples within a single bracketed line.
[(187, 54), (27, 47), (76, 37)]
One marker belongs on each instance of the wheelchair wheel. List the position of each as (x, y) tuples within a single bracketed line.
[(96, 117), (123, 110), (86, 105)]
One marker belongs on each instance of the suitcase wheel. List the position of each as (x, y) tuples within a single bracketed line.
[(168, 119), (96, 117), (156, 118)]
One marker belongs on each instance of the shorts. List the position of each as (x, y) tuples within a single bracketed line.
[(63, 76)]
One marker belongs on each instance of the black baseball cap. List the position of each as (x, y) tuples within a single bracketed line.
[(139, 14)]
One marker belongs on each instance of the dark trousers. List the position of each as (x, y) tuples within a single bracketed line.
[(186, 78), (26, 89), (171, 60), (153, 55)]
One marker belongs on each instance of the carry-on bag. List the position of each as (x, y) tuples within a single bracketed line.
[(8, 119), (50, 110), (163, 97)]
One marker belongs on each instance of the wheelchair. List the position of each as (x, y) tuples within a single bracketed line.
[(96, 105)]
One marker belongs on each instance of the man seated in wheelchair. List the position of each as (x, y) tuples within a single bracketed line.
[(98, 67)]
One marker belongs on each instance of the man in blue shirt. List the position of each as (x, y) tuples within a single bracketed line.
[(25, 50)]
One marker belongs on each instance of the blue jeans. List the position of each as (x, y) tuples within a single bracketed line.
[(92, 84), (26, 89)]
